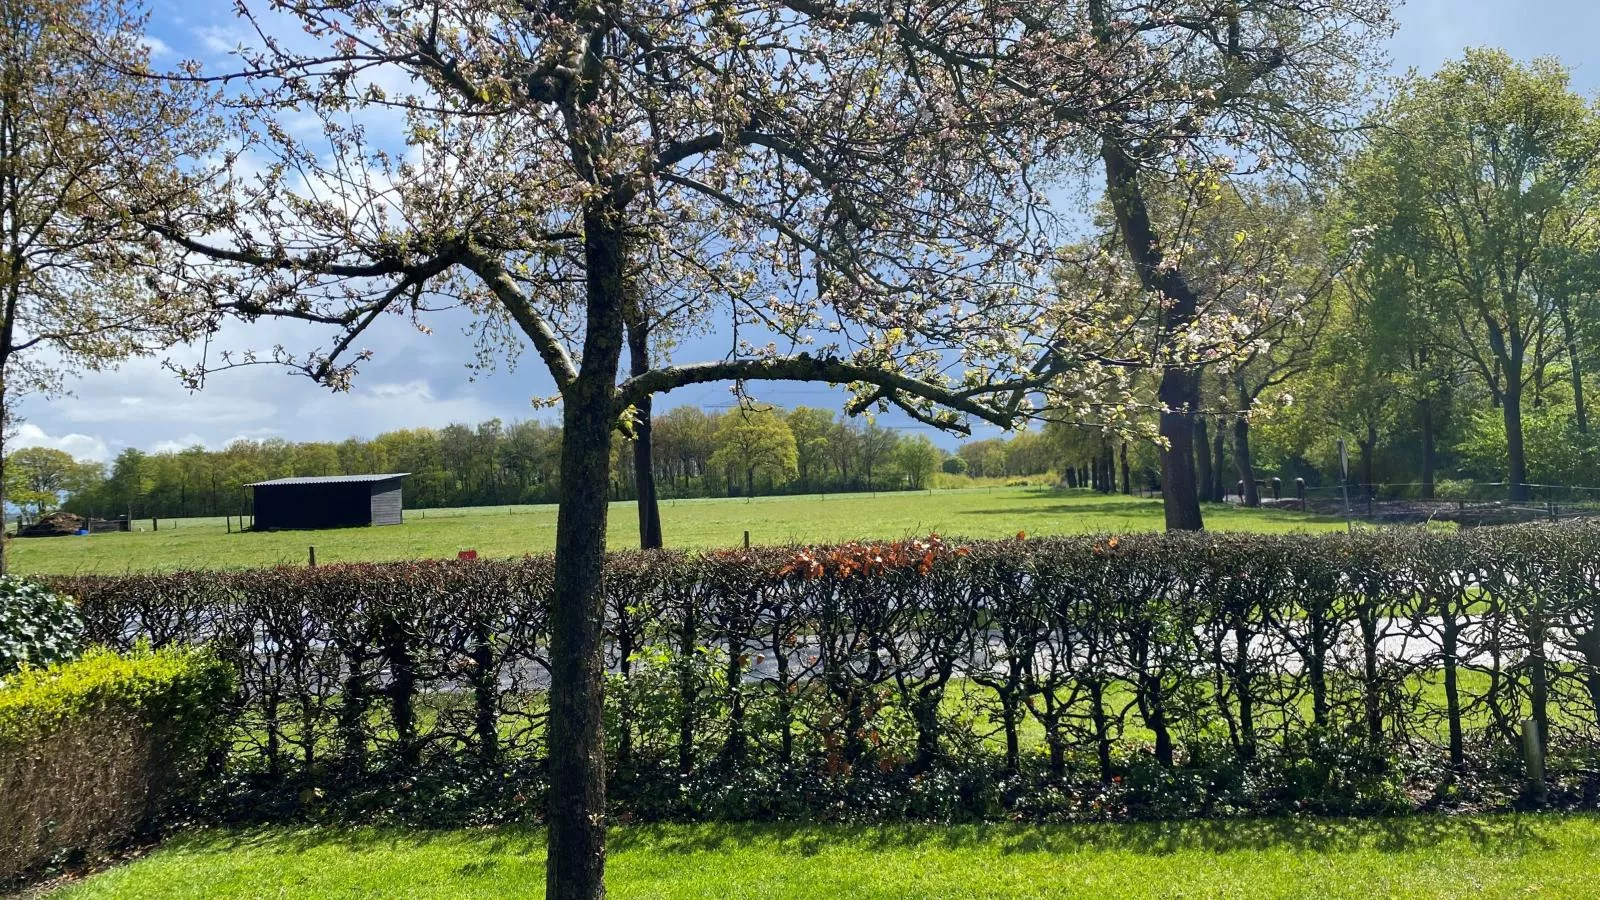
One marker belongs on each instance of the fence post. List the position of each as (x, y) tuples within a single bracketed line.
[(1533, 755), (313, 561), (747, 540)]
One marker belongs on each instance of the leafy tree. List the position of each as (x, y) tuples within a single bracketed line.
[(874, 449), (38, 477), (811, 428), (864, 182), (1203, 92), (1485, 159), (954, 465), (986, 458), (755, 440), (84, 135), (917, 458)]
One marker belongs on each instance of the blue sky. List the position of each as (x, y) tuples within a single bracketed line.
[(418, 380)]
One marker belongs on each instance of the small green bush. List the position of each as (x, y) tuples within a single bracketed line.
[(37, 627)]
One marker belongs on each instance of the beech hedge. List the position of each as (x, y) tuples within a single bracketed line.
[(1040, 679)]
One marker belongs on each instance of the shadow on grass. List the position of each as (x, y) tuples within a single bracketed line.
[(1501, 834)]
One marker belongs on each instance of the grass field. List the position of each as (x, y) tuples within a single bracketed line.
[(1488, 856), (513, 531)]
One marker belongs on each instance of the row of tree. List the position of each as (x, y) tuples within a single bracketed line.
[(1434, 303), (741, 452)]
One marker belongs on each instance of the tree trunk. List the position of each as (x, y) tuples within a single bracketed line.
[(1241, 453), (1575, 360), (575, 862), (644, 471), (1219, 464), (1425, 420), (1127, 483), (1202, 458), (1179, 391), (1516, 456), (1368, 447)]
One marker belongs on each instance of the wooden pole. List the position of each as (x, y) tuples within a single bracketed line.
[(747, 540), (313, 556)]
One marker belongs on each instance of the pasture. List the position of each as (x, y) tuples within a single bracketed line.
[(689, 524)]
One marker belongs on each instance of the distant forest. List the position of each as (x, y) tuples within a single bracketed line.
[(698, 453)]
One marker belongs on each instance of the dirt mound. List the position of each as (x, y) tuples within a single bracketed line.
[(56, 524)]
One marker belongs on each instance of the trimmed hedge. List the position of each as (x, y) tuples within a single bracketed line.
[(92, 751), (1064, 678)]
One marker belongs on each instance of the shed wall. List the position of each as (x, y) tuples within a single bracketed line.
[(312, 505), (387, 508)]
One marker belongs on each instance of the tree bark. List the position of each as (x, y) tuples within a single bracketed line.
[(1516, 455), (644, 471), (1202, 458), (1575, 360), (1425, 420), (575, 862), (1179, 391), (1219, 464), (1368, 448), (1127, 483), (1241, 453)]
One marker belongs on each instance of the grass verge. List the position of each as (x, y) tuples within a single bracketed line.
[(1424, 856)]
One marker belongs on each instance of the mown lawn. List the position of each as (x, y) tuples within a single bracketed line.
[(513, 531), (1425, 856)]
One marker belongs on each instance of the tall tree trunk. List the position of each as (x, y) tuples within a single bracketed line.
[(1516, 455), (1242, 459), (1179, 391), (1575, 360), (575, 861), (1219, 464), (1367, 446), (1127, 484), (1202, 458), (644, 468), (1425, 420)]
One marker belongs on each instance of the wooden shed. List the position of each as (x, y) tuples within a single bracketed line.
[(333, 501)]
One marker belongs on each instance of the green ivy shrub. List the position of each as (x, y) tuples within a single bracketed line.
[(37, 627)]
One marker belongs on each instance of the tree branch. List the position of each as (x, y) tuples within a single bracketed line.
[(892, 386)]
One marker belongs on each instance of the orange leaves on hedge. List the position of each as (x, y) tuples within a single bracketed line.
[(860, 559)]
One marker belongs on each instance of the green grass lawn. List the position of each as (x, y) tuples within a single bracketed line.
[(513, 531), (1425, 856)]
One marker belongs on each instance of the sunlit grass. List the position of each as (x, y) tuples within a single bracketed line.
[(1433, 856), (513, 531)]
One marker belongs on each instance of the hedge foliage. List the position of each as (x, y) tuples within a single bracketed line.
[(37, 627), (91, 751), (1064, 678)]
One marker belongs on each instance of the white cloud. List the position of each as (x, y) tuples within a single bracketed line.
[(157, 47), (78, 446)]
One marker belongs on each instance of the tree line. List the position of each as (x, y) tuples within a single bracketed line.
[(746, 451)]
